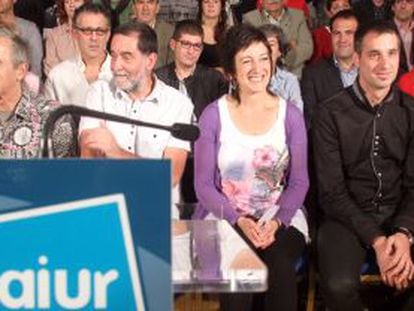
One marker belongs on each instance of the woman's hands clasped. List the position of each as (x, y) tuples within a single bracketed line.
[(261, 235)]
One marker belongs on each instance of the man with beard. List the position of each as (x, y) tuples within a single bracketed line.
[(135, 92)]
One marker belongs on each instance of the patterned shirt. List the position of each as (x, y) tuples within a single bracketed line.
[(21, 133)]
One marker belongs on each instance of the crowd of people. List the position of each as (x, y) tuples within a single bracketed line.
[(294, 112)]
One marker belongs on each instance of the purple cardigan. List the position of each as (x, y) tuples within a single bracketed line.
[(208, 179)]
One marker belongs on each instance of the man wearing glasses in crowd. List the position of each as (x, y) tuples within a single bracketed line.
[(69, 81), (201, 84)]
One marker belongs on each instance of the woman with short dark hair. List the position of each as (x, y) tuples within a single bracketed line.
[(251, 168)]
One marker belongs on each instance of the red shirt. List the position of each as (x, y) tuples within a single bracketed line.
[(406, 83), (322, 44)]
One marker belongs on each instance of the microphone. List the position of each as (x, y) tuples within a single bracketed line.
[(182, 131)]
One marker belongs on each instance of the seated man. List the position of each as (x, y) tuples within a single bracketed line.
[(326, 78), (322, 41), (21, 115), (69, 81), (403, 20), (294, 27), (146, 12), (363, 140), (135, 92), (203, 85)]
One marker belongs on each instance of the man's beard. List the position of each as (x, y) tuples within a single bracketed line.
[(129, 87)]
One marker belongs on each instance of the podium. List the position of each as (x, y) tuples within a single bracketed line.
[(85, 234)]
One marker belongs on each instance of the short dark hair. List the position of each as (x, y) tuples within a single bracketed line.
[(377, 27), (236, 39), (271, 30), (147, 38), (344, 14), (90, 7), (187, 26)]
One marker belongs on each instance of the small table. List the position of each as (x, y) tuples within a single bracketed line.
[(209, 256)]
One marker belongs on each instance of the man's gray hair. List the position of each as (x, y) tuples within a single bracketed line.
[(19, 53)]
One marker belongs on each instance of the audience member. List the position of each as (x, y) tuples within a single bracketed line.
[(27, 31), (22, 115), (283, 83), (135, 92), (69, 81), (213, 18), (59, 42), (406, 83), (363, 146), (326, 78), (251, 164), (146, 12), (403, 20), (293, 4), (322, 41), (293, 24), (200, 83), (369, 11)]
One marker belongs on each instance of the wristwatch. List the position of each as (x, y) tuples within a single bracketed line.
[(407, 232)]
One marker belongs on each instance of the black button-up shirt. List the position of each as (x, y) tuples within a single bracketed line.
[(365, 161)]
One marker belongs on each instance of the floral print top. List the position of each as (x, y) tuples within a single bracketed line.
[(252, 167), (21, 133)]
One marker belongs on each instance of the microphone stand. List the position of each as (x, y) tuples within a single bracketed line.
[(179, 130)]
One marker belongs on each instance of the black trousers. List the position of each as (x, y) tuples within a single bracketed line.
[(340, 258), (280, 259)]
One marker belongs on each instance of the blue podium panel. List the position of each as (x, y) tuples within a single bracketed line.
[(74, 233)]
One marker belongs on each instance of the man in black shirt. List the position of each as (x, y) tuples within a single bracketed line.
[(201, 84), (363, 140)]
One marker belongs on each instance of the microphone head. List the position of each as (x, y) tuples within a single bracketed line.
[(184, 131)]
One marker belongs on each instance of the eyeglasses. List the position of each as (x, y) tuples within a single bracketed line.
[(100, 32), (187, 45)]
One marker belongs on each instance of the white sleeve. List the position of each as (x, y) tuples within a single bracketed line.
[(94, 99), (183, 115)]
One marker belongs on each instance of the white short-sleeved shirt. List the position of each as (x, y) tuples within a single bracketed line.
[(164, 105), (67, 83)]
